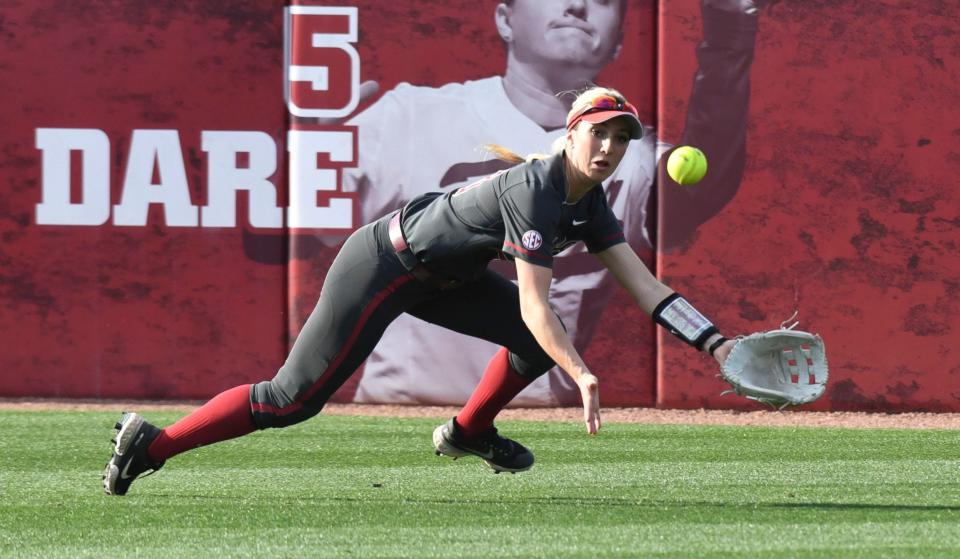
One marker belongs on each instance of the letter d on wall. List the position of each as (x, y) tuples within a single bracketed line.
[(55, 207), (321, 65)]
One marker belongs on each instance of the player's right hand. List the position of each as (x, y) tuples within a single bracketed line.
[(590, 392)]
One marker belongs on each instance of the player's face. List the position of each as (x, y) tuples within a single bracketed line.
[(563, 32), (597, 149)]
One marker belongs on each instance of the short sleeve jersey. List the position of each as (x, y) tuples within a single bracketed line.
[(519, 212)]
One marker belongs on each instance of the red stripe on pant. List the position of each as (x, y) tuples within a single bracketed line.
[(351, 340)]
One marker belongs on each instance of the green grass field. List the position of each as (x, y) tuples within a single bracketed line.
[(371, 487)]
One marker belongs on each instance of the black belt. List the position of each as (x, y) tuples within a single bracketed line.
[(418, 270)]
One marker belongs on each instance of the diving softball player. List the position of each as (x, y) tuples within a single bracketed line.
[(505, 111), (430, 260), (399, 369)]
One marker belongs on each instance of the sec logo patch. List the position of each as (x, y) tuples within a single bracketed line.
[(532, 240)]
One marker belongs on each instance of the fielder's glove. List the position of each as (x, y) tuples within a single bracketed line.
[(781, 367)]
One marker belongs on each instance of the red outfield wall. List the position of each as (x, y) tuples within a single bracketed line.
[(181, 275)]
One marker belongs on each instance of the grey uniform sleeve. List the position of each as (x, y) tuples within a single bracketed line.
[(716, 122), (530, 214)]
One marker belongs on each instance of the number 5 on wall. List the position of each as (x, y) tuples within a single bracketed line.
[(321, 65)]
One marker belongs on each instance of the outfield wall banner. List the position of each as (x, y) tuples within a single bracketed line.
[(138, 141), (178, 178), (179, 186)]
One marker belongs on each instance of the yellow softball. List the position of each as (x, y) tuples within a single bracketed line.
[(687, 165)]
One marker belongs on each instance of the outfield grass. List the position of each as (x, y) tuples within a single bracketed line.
[(371, 487)]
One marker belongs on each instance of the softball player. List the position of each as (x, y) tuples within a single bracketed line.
[(497, 110), (430, 260), (398, 369)]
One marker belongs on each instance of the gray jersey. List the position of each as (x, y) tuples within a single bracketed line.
[(390, 174), (520, 212)]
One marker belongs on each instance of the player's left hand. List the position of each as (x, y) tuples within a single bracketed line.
[(721, 353), (590, 392), (783, 367)]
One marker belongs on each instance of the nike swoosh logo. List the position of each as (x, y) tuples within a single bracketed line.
[(578, 222), (123, 474), (488, 455)]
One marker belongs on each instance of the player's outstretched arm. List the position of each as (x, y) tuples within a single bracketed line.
[(669, 309), (634, 276)]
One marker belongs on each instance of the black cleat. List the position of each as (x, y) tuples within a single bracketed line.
[(500, 453), (129, 459)]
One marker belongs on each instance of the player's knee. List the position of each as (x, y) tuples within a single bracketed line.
[(274, 408), (531, 364), (529, 359)]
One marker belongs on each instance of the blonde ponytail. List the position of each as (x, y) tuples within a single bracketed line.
[(514, 158), (503, 154)]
